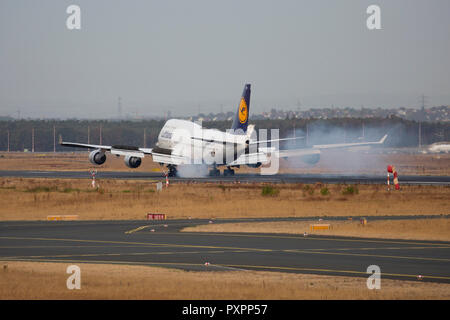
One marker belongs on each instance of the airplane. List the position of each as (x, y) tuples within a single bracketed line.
[(439, 147), (183, 142)]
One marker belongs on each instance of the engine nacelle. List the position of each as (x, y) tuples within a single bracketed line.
[(97, 157), (311, 159), (132, 162), (254, 165)]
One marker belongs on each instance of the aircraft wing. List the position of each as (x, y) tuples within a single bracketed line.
[(170, 159), (258, 142), (159, 155), (251, 158), (84, 145), (117, 149), (315, 149), (295, 152), (347, 145)]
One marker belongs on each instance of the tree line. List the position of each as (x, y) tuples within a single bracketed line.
[(402, 133)]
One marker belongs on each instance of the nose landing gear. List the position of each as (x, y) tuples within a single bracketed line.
[(228, 172)]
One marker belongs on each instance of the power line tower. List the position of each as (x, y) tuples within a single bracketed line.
[(54, 139), (145, 139), (119, 107), (307, 134), (89, 136), (363, 132), (423, 100), (32, 139)]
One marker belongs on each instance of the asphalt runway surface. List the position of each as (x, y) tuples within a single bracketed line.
[(160, 243), (243, 178)]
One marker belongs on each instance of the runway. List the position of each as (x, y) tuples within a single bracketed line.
[(160, 243), (243, 178)]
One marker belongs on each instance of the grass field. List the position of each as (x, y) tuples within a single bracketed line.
[(418, 229), (35, 280), (34, 199)]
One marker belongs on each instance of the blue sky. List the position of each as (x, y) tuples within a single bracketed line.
[(191, 56)]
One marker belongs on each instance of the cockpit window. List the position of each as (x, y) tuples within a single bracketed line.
[(166, 135)]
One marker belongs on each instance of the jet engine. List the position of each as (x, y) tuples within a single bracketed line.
[(132, 162), (97, 157), (311, 159)]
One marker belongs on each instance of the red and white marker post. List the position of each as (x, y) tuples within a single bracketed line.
[(391, 169), (389, 188), (93, 173)]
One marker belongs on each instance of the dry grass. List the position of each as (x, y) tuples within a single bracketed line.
[(362, 163), (34, 199), (33, 280), (419, 229)]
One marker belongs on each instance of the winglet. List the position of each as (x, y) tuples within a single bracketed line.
[(60, 139), (382, 139)]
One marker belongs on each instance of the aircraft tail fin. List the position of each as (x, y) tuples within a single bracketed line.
[(240, 121)]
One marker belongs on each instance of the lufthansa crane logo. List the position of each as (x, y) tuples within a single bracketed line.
[(243, 111)]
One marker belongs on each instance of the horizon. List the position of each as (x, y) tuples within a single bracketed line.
[(296, 113)]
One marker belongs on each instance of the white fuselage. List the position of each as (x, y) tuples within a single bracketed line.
[(189, 143)]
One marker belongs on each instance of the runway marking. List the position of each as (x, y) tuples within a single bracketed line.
[(376, 248), (136, 230), (166, 222), (309, 237), (143, 244), (249, 267), (237, 250), (366, 255), (119, 254), (67, 246), (232, 249), (227, 267), (337, 271), (85, 240), (210, 247), (106, 262)]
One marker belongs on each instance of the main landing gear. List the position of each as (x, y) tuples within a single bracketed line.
[(172, 170), (216, 172)]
